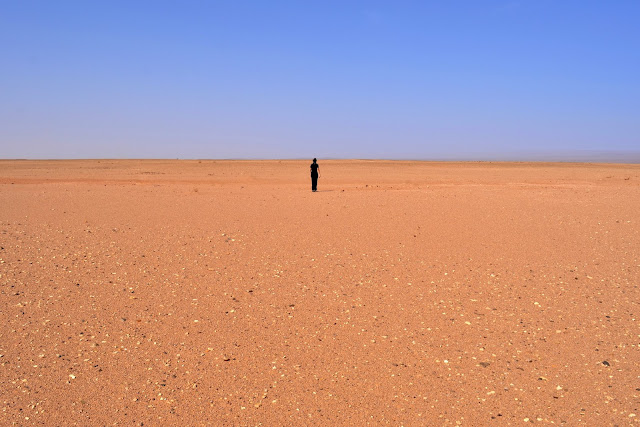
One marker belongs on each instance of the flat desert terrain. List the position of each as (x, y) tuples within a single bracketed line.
[(163, 292)]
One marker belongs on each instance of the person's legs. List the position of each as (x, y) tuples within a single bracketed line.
[(314, 183)]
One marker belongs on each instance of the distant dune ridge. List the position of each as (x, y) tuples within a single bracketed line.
[(578, 156), (572, 156)]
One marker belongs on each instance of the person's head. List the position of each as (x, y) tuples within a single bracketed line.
[(314, 160)]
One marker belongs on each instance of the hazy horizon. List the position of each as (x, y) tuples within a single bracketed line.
[(631, 157)]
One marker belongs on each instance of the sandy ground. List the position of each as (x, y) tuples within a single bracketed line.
[(401, 293)]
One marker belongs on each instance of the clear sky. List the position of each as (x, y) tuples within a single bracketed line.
[(301, 79)]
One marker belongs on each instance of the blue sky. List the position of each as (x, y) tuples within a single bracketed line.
[(302, 79)]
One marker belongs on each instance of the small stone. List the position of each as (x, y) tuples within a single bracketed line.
[(605, 363)]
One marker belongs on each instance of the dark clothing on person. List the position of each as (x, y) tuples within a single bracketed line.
[(314, 176)]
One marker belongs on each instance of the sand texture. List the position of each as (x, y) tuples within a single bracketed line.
[(401, 293)]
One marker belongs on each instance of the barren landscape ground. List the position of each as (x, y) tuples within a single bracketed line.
[(401, 293)]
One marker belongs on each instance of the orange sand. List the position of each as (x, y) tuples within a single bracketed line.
[(402, 293)]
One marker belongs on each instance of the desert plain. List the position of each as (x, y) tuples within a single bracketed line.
[(163, 292)]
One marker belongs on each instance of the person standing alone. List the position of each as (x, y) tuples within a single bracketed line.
[(315, 170)]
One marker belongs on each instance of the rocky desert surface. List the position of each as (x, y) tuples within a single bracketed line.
[(163, 292)]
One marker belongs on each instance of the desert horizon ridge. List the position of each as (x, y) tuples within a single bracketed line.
[(631, 158), (403, 292)]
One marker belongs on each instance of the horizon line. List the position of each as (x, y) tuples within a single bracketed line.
[(629, 161), (529, 156)]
